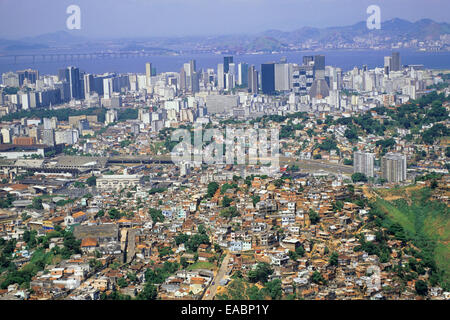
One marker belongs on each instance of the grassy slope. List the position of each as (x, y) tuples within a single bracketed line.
[(416, 214)]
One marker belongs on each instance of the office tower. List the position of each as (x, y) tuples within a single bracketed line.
[(393, 167), (319, 88), (74, 83), (252, 80), (220, 76), (319, 67), (88, 83), (232, 69), (63, 75), (229, 81), (226, 63), (148, 73), (387, 64), (363, 163), (307, 60), (107, 88), (183, 85), (396, 65), (195, 80), (282, 77), (189, 70), (10, 79), (268, 78), (193, 65), (242, 79), (30, 75)]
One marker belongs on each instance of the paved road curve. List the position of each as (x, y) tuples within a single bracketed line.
[(219, 276)]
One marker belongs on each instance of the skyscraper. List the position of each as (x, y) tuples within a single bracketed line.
[(363, 163), (30, 75), (387, 64), (242, 78), (226, 63), (88, 83), (148, 73), (282, 77), (74, 83), (220, 76), (268, 78), (319, 67), (393, 167), (107, 88), (396, 64), (252, 80), (307, 60)]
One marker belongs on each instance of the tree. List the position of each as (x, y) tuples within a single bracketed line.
[(114, 214), (313, 216), (183, 262), (300, 251), (318, 278), (421, 287), (148, 293), (226, 202), (273, 289), (212, 188), (121, 282), (165, 251), (261, 273), (156, 215), (37, 203), (359, 177), (333, 259)]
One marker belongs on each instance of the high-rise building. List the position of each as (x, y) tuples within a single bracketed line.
[(268, 78), (220, 76), (319, 67), (282, 77), (396, 64), (242, 78), (10, 79), (387, 64), (363, 163), (29, 75), (148, 73), (393, 167), (74, 83), (226, 63), (183, 85), (111, 116), (252, 80), (307, 60), (88, 83), (107, 87)]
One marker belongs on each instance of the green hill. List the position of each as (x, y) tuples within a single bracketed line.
[(425, 222)]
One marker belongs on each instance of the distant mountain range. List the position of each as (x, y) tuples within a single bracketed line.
[(354, 36)]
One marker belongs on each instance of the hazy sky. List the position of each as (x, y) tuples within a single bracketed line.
[(119, 18)]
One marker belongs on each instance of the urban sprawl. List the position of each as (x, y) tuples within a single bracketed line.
[(93, 207)]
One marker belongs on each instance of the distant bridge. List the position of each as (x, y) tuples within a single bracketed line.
[(52, 57)]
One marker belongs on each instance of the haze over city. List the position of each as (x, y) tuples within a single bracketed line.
[(154, 18)]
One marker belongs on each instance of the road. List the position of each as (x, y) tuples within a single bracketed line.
[(219, 276)]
